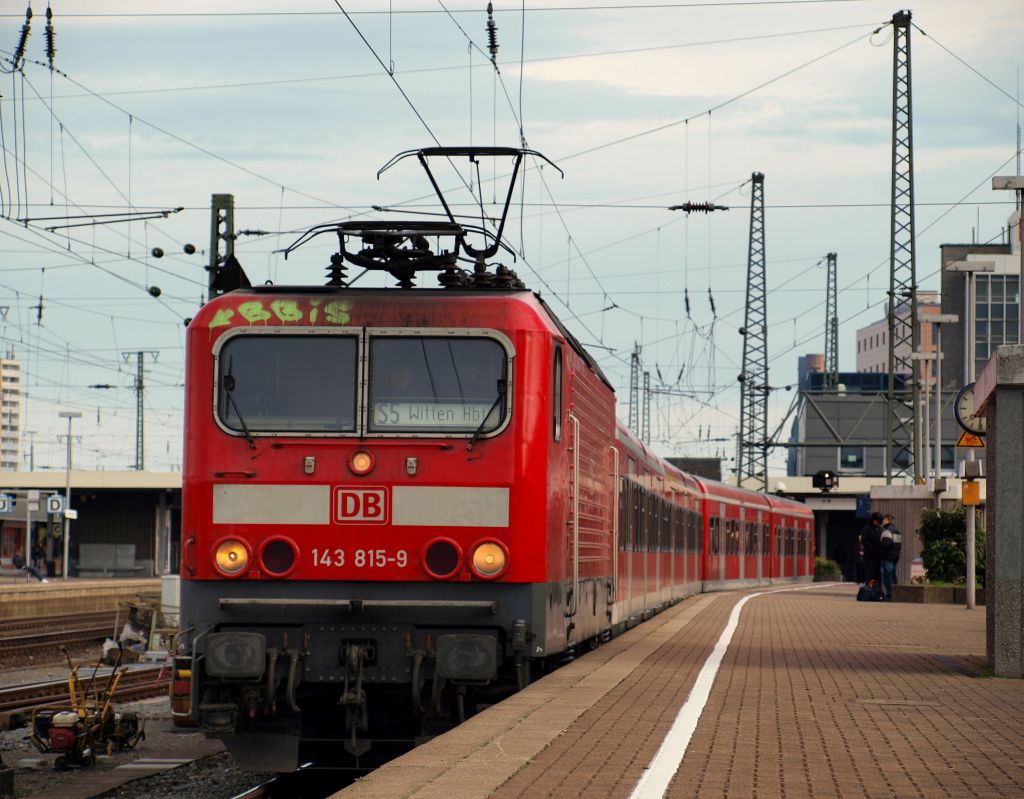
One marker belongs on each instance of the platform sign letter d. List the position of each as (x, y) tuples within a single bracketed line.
[(55, 504)]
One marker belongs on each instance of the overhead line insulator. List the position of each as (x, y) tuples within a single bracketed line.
[(492, 34), (50, 36), (26, 31), (704, 208)]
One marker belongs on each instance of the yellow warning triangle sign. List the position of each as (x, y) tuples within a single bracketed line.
[(968, 440)]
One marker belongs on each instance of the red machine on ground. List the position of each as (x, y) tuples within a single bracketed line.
[(403, 505)]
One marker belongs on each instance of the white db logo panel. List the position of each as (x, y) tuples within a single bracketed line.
[(361, 505)]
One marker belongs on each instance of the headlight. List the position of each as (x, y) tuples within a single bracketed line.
[(231, 557), (490, 559), (361, 462)]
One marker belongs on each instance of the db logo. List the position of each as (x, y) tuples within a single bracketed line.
[(361, 505)]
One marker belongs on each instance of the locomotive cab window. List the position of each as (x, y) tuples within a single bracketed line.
[(285, 383), (442, 384)]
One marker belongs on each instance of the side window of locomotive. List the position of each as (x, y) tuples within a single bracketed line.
[(283, 383), (556, 394), (442, 384)]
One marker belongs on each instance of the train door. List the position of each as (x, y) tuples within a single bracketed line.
[(778, 559), (788, 572), (764, 560), (698, 543), (732, 550), (623, 583), (716, 542), (672, 546), (572, 549), (711, 573), (659, 532), (746, 568), (751, 572), (665, 552), (636, 537)]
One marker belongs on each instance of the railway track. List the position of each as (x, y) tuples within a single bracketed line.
[(17, 702), (47, 634)]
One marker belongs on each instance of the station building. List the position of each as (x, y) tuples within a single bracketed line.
[(128, 522)]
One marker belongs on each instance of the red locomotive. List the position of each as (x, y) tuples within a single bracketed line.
[(403, 505)]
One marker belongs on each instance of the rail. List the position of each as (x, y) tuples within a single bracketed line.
[(16, 702)]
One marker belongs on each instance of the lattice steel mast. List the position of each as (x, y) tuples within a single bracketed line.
[(753, 449), (645, 425), (831, 324), (140, 405), (634, 390), (902, 403)]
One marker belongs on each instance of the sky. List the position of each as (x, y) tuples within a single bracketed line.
[(290, 108)]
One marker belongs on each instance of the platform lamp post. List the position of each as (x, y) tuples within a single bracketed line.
[(926, 384), (969, 268), (69, 415), (939, 319)]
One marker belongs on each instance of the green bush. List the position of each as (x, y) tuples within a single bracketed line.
[(943, 536), (826, 571)]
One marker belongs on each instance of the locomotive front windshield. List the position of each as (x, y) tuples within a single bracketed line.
[(443, 384), (288, 383)]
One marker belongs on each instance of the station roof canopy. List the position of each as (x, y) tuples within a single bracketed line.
[(53, 480)]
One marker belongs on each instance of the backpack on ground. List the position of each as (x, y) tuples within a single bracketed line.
[(869, 592)]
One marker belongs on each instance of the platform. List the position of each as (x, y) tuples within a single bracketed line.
[(816, 695), (26, 599)]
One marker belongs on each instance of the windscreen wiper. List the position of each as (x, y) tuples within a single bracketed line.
[(229, 391), (502, 389)]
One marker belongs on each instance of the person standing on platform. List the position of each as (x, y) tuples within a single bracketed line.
[(857, 561), (871, 535), (889, 545)]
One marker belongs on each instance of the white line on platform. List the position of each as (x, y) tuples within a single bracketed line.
[(667, 759)]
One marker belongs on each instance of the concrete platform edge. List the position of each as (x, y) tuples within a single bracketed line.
[(478, 757)]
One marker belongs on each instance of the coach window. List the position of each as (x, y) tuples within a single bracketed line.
[(287, 383), (556, 394), (443, 384)]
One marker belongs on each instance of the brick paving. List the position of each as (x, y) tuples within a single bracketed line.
[(818, 696)]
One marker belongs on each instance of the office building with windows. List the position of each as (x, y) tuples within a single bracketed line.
[(996, 311), (873, 340), (10, 412)]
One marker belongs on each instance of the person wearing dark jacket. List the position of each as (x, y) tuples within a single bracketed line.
[(871, 536), (18, 561), (890, 542)]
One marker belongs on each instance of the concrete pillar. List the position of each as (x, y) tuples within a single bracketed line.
[(999, 393)]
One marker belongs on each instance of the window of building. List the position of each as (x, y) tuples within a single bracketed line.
[(851, 459), (996, 313)]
